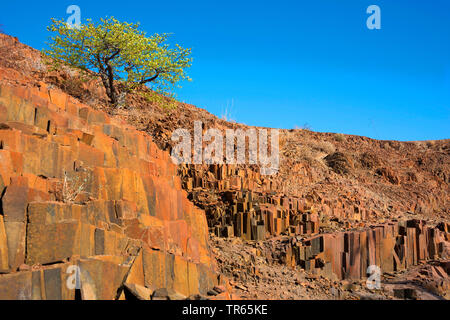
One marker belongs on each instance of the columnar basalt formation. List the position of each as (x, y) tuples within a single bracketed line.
[(80, 189), (391, 247), (90, 203), (240, 203)]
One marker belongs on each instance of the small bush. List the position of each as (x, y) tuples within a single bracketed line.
[(306, 127), (166, 103), (325, 147), (389, 175), (339, 162), (369, 160), (75, 87), (73, 187), (339, 137)]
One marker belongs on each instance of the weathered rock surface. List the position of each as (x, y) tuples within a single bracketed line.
[(80, 189)]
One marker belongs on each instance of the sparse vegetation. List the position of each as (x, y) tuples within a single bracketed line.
[(305, 126), (167, 103), (75, 87), (73, 185), (388, 174), (226, 116), (325, 147), (369, 160), (303, 148), (339, 137), (340, 162)]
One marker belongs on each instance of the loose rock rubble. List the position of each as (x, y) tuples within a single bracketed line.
[(255, 274)]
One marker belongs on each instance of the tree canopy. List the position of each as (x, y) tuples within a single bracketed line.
[(119, 52)]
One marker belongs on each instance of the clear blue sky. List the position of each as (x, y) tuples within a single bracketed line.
[(287, 63)]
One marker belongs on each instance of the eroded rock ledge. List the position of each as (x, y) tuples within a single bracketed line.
[(82, 190)]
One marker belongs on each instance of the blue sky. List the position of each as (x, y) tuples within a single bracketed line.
[(289, 63)]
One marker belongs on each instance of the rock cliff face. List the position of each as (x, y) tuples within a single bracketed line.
[(86, 195), (90, 193)]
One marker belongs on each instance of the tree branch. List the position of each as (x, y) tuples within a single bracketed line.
[(112, 56), (143, 81)]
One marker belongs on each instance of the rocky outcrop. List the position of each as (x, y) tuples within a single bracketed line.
[(390, 247), (91, 207), (83, 191), (241, 203)]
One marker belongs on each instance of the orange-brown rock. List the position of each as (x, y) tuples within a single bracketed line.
[(86, 187), (80, 186)]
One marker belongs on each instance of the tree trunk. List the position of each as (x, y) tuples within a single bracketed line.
[(109, 90), (112, 90), (107, 76)]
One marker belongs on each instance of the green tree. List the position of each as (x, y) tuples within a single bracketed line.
[(119, 53)]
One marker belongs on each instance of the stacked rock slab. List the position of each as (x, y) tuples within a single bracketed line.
[(387, 247), (240, 202), (90, 206)]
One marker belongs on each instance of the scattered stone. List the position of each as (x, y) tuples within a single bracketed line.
[(24, 267), (405, 293), (140, 292)]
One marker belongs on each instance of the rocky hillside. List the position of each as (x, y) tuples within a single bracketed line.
[(338, 204), (83, 191)]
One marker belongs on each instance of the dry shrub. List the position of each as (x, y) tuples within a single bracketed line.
[(339, 162), (166, 103), (339, 137), (74, 187), (389, 175), (74, 86), (324, 146), (304, 148), (369, 160)]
